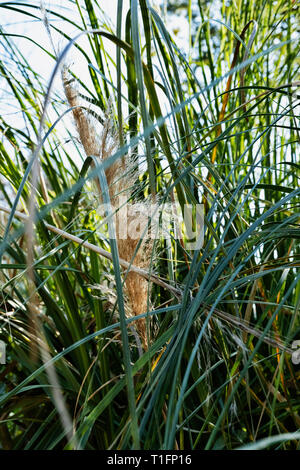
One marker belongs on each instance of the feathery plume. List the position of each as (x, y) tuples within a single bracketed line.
[(120, 178)]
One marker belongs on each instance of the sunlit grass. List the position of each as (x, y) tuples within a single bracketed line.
[(217, 124)]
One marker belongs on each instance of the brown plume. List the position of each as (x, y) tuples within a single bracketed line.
[(120, 177)]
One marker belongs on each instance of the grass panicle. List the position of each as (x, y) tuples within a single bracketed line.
[(148, 342)]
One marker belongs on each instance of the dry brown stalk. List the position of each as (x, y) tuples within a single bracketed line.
[(119, 180)]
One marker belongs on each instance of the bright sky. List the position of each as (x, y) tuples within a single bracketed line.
[(35, 29), (20, 24)]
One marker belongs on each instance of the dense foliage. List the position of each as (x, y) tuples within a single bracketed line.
[(217, 124)]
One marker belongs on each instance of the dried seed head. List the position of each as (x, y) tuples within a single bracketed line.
[(83, 121), (120, 177)]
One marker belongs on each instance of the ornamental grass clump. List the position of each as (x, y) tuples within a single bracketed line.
[(175, 104)]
